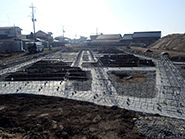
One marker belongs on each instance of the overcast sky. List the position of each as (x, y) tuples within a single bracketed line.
[(82, 17)]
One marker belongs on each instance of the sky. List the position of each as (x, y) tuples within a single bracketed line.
[(85, 17)]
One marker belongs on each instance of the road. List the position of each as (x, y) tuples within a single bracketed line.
[(169, 101)]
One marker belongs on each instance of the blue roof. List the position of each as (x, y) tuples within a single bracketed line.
[(147, 34), (127, 37)]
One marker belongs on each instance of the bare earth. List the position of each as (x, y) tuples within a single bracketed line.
[(41, 117)]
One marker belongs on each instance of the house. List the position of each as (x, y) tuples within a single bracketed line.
[(127, 39), (44, 36), (10, 32), (147, 38), (107, 39), (142, 39), (10, 39), (94, 36)]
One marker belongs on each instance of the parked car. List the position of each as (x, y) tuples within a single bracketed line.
[(35, 47)]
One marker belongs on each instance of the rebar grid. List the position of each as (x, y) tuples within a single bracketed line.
[(169, 85)]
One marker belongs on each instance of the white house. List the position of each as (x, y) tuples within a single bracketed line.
[(10, 39), (10, 32)]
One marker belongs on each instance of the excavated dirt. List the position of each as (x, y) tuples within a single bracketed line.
[(129, 78), (134, 83), (44, 117), (120, 60), (124, 60)]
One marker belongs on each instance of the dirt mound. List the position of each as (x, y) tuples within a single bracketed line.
[(41, 117), (175, 42)]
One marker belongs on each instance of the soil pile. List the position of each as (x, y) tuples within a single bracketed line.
[(40, 117), (175, 42)]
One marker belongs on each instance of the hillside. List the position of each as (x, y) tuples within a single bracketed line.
[(175, 42)]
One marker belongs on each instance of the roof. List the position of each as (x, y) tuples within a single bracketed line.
[(127, 37), (147, 34), (105, 41), (40, 40), (40, 31), (109, 37), (9, 27)]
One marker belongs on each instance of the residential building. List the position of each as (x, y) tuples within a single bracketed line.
[(147, 38), (44, 36), (107, 39), (127, 39), (10, 39), (94, 36), (10, 32), (141, 38)]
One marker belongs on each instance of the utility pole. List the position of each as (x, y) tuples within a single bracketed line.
[(15, 33), (63, 34), (33, 20)]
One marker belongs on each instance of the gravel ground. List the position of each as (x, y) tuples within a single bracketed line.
[(143, 88), (83, 85), (85, 57), (67, 57), (181, 68), (157, 127)]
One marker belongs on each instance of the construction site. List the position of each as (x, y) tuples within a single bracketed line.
[(83, 92)]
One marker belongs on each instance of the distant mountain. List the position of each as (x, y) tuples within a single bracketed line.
[(175, 42)]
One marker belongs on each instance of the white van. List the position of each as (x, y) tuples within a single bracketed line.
[(35, 47)]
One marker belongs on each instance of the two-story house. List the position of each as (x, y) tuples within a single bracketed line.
[(10, 39), (44, 36), (10, 32)]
